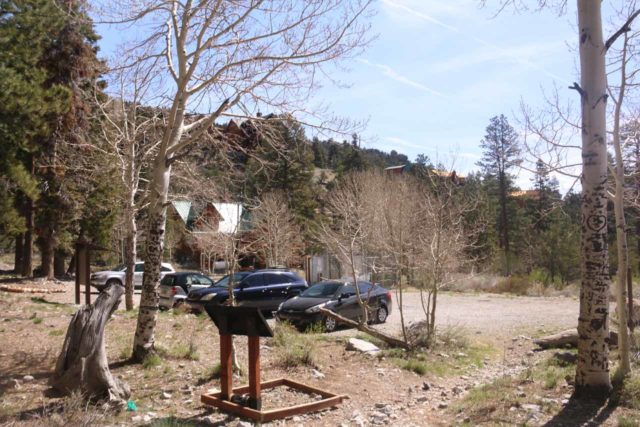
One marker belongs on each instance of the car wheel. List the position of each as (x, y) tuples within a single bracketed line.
[(381, 314), (330, 324), (113, 282)]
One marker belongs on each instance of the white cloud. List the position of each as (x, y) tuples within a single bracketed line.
[(394, 75), (513, 53), (402, 143), (525, 53), (418, 14)]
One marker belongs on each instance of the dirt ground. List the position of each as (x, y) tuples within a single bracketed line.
[(496, 331)]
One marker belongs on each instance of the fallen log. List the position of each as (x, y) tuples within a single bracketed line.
[(82, 364), (394, 342), (24, 290), (568, 338)]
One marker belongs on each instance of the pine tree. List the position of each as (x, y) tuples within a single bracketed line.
[(288, 169), (71, 62), (27, 105), (501, 154), (547, 193)]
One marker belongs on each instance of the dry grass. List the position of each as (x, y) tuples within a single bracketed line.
[(630, 392), (453, 354), (73, 410), (493, 403)]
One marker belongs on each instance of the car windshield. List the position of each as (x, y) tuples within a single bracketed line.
[(237, 278), (119, 267), (322, 290)]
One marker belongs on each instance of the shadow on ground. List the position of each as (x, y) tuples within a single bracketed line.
[(195, 421), (579, 412)]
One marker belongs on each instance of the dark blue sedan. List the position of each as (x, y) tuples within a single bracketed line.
[(264, 289)]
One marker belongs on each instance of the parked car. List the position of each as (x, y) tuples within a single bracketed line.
[(116, 275), (265, 289), (337, 296), (175, 287)]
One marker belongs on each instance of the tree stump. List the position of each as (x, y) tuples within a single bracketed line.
[(82, 364)]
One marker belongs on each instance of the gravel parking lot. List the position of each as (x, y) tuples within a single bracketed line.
[(499, 316), (491, 314)]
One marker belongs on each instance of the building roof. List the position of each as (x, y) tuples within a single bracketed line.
[(447, 174), (525, 193), (185, 210), (232, 216), (390, 168)]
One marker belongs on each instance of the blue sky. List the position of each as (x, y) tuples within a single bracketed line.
[(440, 69)]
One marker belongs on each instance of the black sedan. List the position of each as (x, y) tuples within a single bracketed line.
[(337, 296)]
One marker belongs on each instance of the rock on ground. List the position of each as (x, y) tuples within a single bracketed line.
[(356, 344)]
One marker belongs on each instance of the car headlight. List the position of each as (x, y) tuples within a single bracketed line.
[(208, 297), (315, 308)]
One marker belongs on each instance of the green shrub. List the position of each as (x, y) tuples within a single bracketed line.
[(452, 337), (183, 351), (213, 372), (151, 361), (416, 366), (125, 353), (293, 348), (627, 422), (630, 393)]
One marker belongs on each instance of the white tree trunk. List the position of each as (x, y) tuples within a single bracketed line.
[(130, 254), (621, 229), (143, 343), (592, 370)]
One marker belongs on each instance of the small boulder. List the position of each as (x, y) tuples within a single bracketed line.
[(355, 344), (27, 378)]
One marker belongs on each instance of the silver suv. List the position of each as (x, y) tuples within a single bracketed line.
[(116, 275)]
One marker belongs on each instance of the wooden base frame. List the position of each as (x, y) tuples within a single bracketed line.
[(328, 400)]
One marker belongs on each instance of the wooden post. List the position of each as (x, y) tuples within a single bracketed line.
[(255, 401), (226, 366), (87, 276), (78, 268), (83, 272)]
